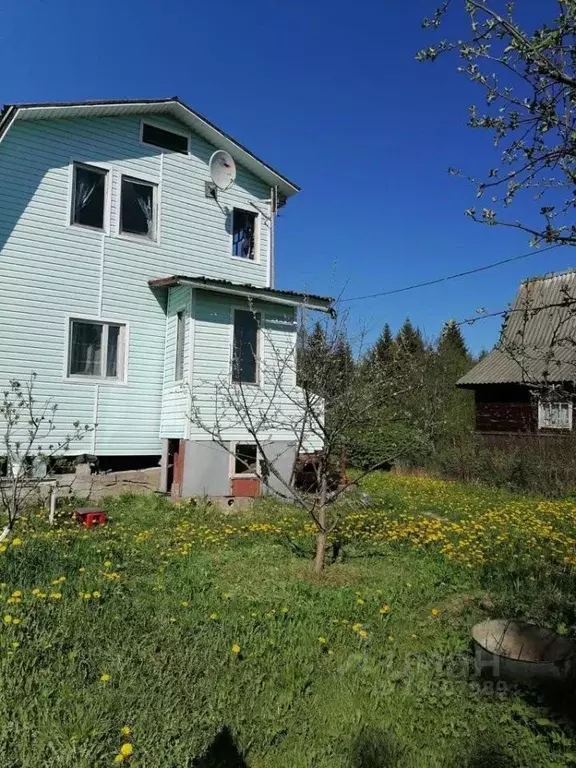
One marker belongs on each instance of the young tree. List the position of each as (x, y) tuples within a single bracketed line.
[(529, 83), (27, 431), (319, 418)]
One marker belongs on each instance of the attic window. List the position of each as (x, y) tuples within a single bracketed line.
[(89, 196), (244, 234), (160, 137)]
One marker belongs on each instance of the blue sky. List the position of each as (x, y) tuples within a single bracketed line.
[(331, 95)]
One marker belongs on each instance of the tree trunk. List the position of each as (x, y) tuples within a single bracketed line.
[(321, 537)]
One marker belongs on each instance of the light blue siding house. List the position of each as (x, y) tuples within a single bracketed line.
[(126, 283)]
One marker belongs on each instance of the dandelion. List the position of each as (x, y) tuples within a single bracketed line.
[(105, 677), (185, 603), (435, 611), (7, 619), (15, 620), (81, 570), (56, 595), (96, 594), (213, 616), (363, 633), (385, 609), (119, 758), (107, 563), (17, 542), (86, 595), (236, 649), (126, 749), (284, 610), (322, 640), (390, 638), (125, 730), (360, 601), (3, 547), (15, 644), (17, 593), (356, 627)]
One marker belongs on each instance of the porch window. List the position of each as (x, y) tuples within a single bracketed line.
[(96, 350), (244, 234), (180, 345), (245, 459), (245, 350), (138, 208), (89, 194), (554, 415)]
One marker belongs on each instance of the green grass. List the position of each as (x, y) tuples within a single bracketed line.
[(306, 689)]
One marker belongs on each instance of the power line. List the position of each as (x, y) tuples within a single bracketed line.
[(452, 277)]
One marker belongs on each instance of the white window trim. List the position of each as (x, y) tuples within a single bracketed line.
[(259, 348), (156, 124), (232, 464), (106, 169), (132, 236), (257, 226), (541, 417), (118, 381), (180, 379)]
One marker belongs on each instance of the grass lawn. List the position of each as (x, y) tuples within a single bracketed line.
[(208, 637)]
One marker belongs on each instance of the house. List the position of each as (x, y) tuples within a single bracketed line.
[(525, 386), (130, 285)]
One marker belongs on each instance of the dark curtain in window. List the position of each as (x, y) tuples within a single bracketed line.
[(137, 208), (243, 231), (245, 358), (86, 351)]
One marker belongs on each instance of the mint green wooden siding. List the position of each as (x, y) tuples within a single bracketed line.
[(50, 270)]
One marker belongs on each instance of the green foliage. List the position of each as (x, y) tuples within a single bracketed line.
[(305, 688)]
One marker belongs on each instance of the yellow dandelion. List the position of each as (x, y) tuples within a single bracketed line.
[(185, 603), (107, 563), (15, 620), (236, 648), (56, 595), (385, 609), (3, 547), (363, 633), (17, 542), (119, 758), (126, 749), (125, 730), (7, 619), (322, 640), (17, 593), (213, 616), (356, 627), (96, 594), (86, 595), (360, 601), (105, 677), (435, 611)]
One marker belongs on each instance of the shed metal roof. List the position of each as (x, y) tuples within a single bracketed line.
[(290, 298), (538, 339), (171, 107)]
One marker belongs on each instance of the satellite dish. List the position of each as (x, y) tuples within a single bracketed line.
[(222, 169)]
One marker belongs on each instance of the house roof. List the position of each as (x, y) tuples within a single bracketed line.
[(538, 339), (290, 298), (171, 107)]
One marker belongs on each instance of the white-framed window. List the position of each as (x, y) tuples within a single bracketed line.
[(244, 460), (246, 346), (244, 234), (97, 350), (89, 189), (554, 415), (138, 207), (180, 345), (164, 138)]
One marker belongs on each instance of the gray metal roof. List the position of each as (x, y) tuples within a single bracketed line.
[(538, 339), (274, 295), (171, 107)]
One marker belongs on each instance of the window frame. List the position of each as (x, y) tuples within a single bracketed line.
[(104, 170), (180, 351), (123, 345), (541, 415), (259, 347), (232, 465), (134, 236), (257, 224), (154, 124)]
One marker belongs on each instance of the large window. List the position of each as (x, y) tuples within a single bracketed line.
[(554, 415), (160, 137), (245, 459), (180, 345), (244, 234), (245, 351), (96, 349), (89, 195), (138, 208)]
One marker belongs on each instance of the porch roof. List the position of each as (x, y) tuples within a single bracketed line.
[(290, 298)]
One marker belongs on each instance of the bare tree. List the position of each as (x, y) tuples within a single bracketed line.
[(317, 412), (529, 84), (26, 447)]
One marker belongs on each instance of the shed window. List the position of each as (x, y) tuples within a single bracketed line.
[(138, 208), (245, 459), (160, 137), (96, 349), (244, 234), (180, 345), (88, 196), (554, 415), (245, 351)]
